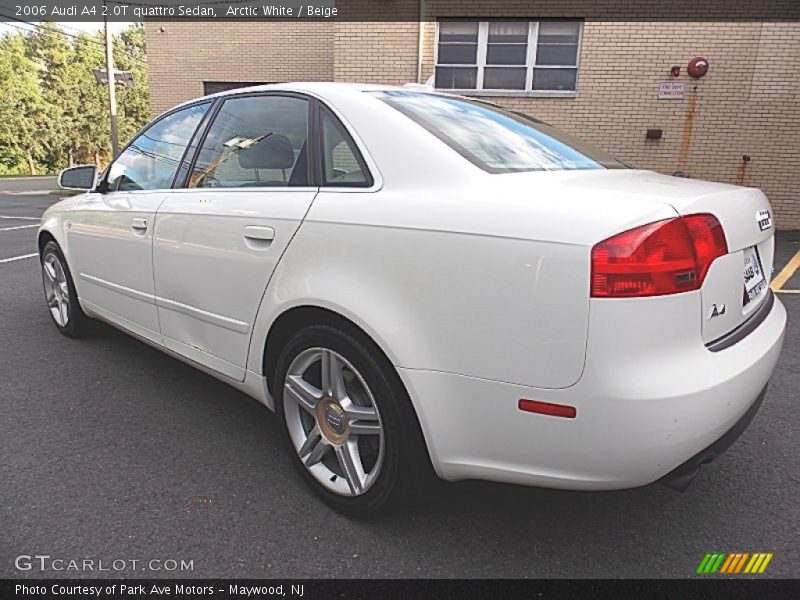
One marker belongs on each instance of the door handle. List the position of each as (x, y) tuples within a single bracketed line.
[(139, 224), (256, 232)]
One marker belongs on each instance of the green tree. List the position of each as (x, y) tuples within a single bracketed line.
[(91, 132), (133, 101), (51, 50), (22, 108), (53, 113)]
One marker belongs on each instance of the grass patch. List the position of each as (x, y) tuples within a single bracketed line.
[(17, 176)]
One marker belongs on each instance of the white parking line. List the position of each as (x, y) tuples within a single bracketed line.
[(17, 227), (24, 218), (8, 260)]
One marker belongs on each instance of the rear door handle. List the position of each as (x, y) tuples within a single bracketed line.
[(139, 223), (257, 232)]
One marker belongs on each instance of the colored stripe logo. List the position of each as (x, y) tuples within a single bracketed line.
[(734, 563)]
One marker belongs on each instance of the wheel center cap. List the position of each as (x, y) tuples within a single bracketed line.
[(334, 416), (332, 420)]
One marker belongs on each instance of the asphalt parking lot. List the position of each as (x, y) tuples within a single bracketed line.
[(111, 450)]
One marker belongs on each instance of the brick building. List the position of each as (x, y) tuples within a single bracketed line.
[(593, 69)]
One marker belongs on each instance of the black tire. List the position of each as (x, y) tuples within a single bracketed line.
[(405, 468), (77, 323)]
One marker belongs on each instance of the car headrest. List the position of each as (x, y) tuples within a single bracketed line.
[(273, 152)]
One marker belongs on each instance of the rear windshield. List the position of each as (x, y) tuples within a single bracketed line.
[(496, 139)]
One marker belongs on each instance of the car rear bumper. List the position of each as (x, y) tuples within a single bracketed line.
[(680, 477), (644, 412)]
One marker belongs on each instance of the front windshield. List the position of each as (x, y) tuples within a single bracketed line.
[(496, 139)]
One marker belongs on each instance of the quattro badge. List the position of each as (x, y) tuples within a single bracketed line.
[(764, 219)]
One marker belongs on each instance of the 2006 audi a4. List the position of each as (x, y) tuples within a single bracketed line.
[(413, 279)]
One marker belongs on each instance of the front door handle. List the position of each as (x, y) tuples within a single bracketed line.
[(257, 232), (139, 224)]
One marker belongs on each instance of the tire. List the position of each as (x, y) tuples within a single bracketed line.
[(358, 444), (60, 294)]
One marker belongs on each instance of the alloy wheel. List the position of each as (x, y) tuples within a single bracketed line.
[(333, 421), (56, 289)]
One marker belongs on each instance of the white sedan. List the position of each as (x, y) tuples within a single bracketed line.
[(415, 280)]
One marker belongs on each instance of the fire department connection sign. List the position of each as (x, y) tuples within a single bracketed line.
[(670, 90)]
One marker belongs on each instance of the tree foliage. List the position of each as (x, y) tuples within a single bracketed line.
[(53, 113), (22, 109)]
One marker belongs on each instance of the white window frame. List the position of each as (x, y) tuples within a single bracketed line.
[(530, 62)]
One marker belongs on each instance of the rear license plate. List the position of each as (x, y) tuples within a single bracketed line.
[(754, 280)]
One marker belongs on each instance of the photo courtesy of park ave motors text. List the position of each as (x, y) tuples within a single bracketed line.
[(404, 286)]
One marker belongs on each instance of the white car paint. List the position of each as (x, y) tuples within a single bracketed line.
[(231, 241), (475, 285), (115, 257)]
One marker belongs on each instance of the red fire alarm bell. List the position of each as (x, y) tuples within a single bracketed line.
[(698, 67)]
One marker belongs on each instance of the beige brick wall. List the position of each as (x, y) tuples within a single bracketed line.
[(187, 53), (746, 105), (376, 52)]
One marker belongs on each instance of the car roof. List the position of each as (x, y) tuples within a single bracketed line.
[(316, 88), (368, 119)]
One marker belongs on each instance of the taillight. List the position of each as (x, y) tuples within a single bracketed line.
[(665, 257)]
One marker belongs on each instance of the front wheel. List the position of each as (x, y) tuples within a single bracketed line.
[(60, 293), (348, 422)]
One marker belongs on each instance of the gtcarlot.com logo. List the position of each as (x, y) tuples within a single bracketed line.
[(45, 562), (734, 563)]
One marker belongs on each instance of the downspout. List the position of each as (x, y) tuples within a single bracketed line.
[(420, 40)]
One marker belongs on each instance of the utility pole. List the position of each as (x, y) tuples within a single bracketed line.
[(112, 92)]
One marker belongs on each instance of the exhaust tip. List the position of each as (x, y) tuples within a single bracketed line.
[(680, 483)]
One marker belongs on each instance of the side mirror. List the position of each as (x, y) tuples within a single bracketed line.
[(83, 177)]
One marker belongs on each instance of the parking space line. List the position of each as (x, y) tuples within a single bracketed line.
[(23, 218), (8, 260), (785, 274), (18, 227)]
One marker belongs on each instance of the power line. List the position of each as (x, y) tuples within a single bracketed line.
[(200, 3), (60, 24), (86, 37)]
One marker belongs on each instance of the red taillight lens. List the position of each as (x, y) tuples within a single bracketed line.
[(665, 257)]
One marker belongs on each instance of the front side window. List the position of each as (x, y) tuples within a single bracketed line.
[(495, 139), (255, 141), (150, 161), (539, 56)]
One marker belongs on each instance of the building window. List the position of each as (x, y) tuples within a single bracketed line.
[(508, 56)]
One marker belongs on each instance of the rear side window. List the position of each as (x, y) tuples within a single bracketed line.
[(342, 164), (255, 141), (495, 139), (151, 159)]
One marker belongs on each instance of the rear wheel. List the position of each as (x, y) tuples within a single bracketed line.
[(347, 419), (60, 294)]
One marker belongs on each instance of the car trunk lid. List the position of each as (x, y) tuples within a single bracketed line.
[(736, 284), (744, 213)]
